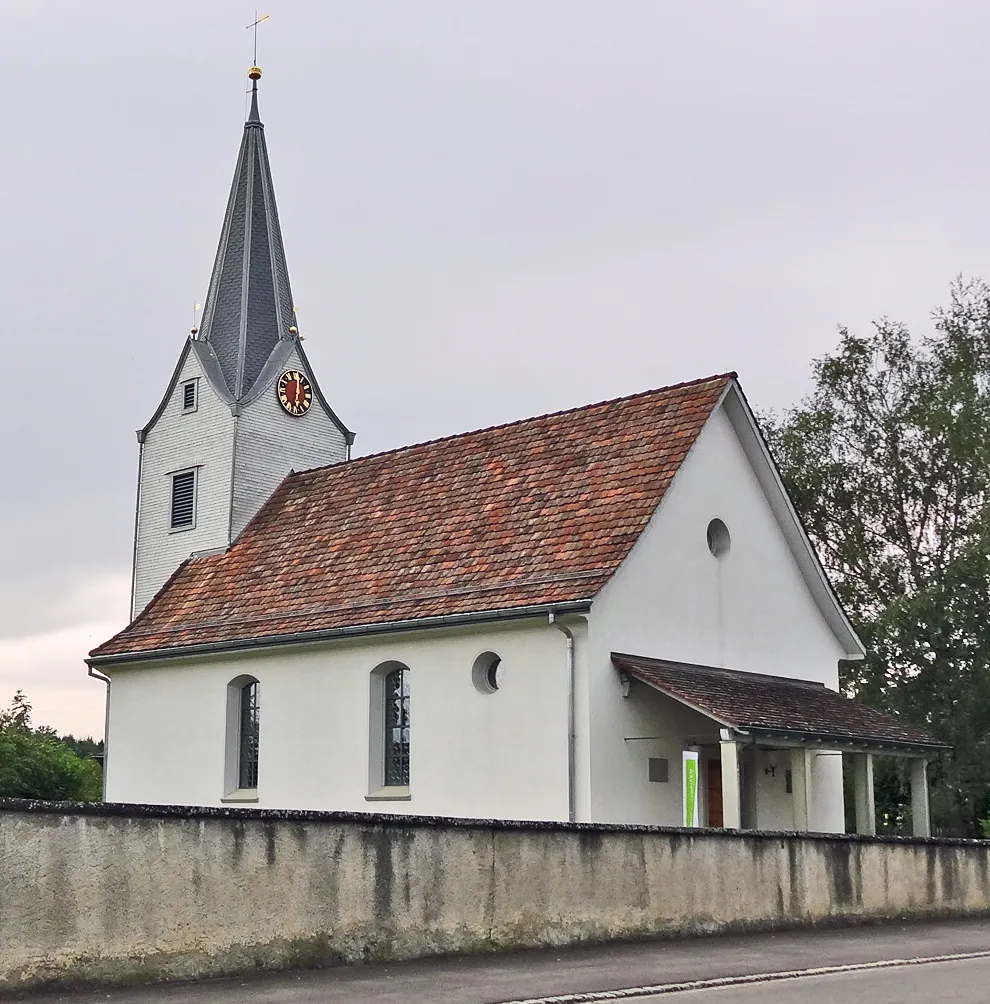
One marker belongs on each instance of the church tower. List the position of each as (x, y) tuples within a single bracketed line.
[(243, 407)]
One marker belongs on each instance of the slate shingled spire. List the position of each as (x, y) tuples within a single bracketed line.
[(248, 310)]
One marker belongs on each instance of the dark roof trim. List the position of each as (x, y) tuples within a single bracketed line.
[(357, 630), (211, 368), (270, 372), (765, 468), (345, 432), (142, 434), (272, 369), (892, 746), (626, 665)]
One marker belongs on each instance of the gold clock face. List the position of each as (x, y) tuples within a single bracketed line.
[(295, 392)]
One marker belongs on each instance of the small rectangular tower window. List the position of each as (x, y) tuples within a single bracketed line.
[(184, 500), (190, 397)]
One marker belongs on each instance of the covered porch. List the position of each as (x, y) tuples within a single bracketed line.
[(762, 761)]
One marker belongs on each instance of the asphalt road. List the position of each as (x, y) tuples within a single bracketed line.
[(538, 974), (964, 982)]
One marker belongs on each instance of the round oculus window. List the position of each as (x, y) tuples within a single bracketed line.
[(718, 538), (486, 674)]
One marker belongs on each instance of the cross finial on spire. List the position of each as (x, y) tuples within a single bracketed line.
[(254, 24), (255, 72)]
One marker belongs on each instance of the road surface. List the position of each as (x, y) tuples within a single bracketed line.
[(961, 982), (536, 975)]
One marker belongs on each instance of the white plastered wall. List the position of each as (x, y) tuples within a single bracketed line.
[(671, 599), (472, 754), (270, 443), (201, 439), (657, 726)]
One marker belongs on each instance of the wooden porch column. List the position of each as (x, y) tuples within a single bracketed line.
[(920, 818), (731, 805), (866, 815), (801, 788)]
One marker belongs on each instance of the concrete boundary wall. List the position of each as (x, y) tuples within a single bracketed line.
[(120, 893)]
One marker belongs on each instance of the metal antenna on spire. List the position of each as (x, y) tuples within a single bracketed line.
[(254, 24)]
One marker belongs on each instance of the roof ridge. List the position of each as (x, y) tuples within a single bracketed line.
[(726, 376)]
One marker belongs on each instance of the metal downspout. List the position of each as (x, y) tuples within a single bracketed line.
[(137, 524), (106, 725), (571, 722)]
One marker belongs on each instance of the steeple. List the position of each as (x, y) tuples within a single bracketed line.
[(248, 319), (243, 407)]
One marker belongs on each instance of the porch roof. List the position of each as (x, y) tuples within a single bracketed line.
[(776, 706)]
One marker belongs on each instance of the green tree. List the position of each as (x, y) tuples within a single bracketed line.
[(888, 463), (36, 763)]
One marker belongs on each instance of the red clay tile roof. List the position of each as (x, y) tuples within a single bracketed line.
[(537, 512), (773, 704)]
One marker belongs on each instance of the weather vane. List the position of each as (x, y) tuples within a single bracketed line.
[(254, 24)]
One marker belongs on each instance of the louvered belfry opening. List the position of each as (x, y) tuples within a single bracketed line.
[(183, 499)]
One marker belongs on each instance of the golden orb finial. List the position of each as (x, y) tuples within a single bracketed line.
[(194, 331), (254, 73), (293, 330)]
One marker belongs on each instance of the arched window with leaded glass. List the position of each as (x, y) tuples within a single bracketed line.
[(243, 740), (248, 736), (396, 728)]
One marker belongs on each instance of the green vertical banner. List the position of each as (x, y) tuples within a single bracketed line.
[(689, 774)]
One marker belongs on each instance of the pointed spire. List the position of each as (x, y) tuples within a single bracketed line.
[(248, 308)]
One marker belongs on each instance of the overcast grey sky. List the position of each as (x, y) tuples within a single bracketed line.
[(490, 210)]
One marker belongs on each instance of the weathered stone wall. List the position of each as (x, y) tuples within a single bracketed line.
[(119, 893)]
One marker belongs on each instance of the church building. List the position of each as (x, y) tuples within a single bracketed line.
[(609, 614)]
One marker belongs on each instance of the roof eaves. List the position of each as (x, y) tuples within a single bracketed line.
[(874, 742), (142, 434), (329, 634), (151, 603), (629, 669), (840, 619), (344, 431)]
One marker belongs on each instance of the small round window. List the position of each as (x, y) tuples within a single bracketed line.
[(487, 672), (718, 538)]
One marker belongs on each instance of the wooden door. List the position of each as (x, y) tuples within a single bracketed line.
[(715, 793)]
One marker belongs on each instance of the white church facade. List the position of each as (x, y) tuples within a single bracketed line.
[(536, 621)]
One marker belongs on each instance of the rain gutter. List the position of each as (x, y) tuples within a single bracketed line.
[(571, 716), (357, 630), (106, 724)]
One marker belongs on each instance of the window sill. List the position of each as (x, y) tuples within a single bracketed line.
[(242, 795), (395, 794)]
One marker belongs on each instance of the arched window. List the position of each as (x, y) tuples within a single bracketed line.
[(396, 728), (240, 781), (248, 735)]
